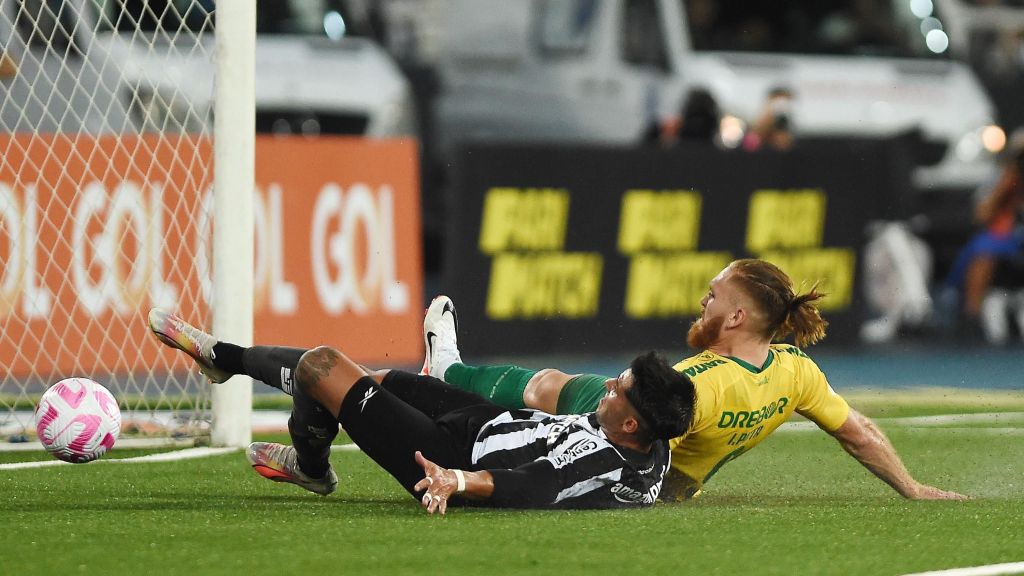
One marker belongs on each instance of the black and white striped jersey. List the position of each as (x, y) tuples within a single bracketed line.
[(565, 461)]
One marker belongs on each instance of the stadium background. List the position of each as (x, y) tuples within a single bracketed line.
[(557, 273)]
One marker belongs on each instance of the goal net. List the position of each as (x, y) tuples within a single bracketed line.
[(106, 204)]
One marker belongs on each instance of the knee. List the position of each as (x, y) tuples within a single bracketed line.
[(543, 389), (313, 367)]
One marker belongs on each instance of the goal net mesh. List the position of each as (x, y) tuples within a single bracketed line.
[(106, 172)]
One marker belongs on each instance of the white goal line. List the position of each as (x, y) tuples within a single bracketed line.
[(941, 420), (172, 456), (987, 570), (186, 454)]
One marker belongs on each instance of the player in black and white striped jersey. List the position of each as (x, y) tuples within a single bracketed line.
[(465, 445), (440, 442), (570, 458)]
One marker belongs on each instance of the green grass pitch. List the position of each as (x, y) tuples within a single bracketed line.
[(796, 505)]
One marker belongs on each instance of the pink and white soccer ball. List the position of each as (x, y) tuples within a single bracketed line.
[(78, 420)]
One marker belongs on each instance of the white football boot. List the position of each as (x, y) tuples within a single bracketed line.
[(279, 463), (440, 337), (176, 333)]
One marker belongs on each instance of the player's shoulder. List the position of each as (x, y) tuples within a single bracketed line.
[(795, 358), (785, 348), (790, 351), (699, 363)]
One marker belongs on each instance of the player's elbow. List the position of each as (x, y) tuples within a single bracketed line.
[(856, 434)]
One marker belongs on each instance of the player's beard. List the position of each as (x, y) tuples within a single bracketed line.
[(704, 332)]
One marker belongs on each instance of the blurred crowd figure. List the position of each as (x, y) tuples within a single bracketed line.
[(773, 128), (698, 121), (987, 278)]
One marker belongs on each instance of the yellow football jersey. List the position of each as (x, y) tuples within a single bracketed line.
[(738, 405)]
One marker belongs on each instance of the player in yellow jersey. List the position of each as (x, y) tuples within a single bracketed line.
[(746, 385)]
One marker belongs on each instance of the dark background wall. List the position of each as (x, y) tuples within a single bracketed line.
[(600, 249)]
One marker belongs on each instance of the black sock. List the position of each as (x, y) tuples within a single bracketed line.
[(312, 438), (228, 357), (272, 365)]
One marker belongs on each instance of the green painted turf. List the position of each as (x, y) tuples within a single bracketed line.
[(796, 505)]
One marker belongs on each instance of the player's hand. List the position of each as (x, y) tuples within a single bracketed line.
[(924, 492), (439, 483)]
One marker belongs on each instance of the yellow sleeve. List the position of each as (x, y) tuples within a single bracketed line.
[(819, 403)]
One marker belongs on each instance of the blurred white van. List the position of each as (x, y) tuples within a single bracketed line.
[(604, 70), (48, 79), (318, 68)]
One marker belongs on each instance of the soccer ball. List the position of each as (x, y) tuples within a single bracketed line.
[(78, 420)]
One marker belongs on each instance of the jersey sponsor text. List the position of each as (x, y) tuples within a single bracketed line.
[(745, 419), (629, 495), (574, 452)]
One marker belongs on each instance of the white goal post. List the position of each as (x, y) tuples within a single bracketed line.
[(126, 182), (234, 159)]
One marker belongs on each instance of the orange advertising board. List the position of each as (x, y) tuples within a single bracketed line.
[(95, 231), (348, 213)]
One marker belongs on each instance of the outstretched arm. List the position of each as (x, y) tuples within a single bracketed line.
[(865, 441), (441, 483), (537, 484), (531, 485)]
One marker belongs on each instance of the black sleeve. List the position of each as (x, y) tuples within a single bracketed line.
[(538, 484), (532, 485)]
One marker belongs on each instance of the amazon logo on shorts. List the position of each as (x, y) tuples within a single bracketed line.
[(629, 495)]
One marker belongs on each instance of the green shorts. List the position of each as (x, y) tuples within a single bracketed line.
[(581, 394)]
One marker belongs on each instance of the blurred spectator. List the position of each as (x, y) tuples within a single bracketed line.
[(698, 121), (701, 117), (773, 127), (1000, 242)]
